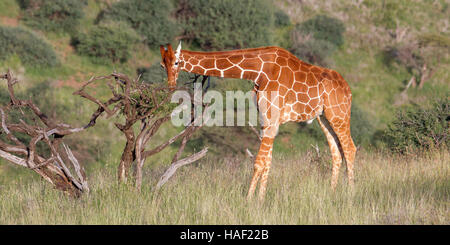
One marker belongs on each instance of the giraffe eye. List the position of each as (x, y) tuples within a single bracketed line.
[(176, 63)]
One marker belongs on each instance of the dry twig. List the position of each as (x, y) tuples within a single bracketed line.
[(41, 129), (174, 166), (139, 103)]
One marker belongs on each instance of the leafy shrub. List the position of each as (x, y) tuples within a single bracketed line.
[(147, 97), (324, 28), (53, 15), (45, 97), (31, 49), (227, 24), (434, 39), (224, 141), (312, 50), (418, 54), (361, 127), (148, 18), (316, 38), (418, 128), (153, 74), (281, 18), (106, 42), (156, 74), (403, 55)]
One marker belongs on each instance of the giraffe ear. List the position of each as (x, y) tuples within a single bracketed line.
[(169, 47), (163, 50)]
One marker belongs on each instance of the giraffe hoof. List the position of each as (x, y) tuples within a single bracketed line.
[(261, 197), (249, 197)]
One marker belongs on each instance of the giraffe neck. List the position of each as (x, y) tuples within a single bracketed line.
[(242, 64)]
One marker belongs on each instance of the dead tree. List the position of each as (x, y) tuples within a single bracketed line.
[(142, 104), (34, 141)]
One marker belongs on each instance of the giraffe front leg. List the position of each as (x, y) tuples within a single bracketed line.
[(268, 144), (257, 170), (261, 167), (270, 115)]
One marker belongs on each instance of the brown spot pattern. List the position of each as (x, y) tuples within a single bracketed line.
[(303, 92)]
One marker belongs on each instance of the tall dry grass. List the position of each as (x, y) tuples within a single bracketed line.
[(388, 190)]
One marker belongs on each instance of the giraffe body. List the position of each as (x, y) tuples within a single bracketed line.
[(287, 89)]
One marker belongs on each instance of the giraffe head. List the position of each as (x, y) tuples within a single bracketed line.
[(170, 62)]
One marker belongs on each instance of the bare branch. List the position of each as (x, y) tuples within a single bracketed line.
[(52, 169), (181, 134), (249, 153), (79, 171), (255, 131), (173, 168), (13, 159), (181, 149), (137, 102)]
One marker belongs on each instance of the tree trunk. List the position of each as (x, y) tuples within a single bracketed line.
[(128, 155)]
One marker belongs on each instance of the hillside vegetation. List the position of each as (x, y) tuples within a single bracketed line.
[(393, 54)]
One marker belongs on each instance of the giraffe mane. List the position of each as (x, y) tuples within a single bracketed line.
[(237, 51)]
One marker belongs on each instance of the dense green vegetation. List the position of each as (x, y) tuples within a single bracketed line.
[(150, 18), (107, 42), (315, 39), (229, 24), (53, 15), (377, 46), (418, 128), (30, 48)]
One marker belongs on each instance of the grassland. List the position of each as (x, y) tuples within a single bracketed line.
[(388, 190)]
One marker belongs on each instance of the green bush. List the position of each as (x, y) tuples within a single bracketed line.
[(148, 18), (31, 49), (153, 74), (316, 38), (43, 96), (434, 39), (281, 18), (420, 128), (227, 24), (362, 129), (156, 74), (312, 50), (106, 42), (53, 15), (324, 28)]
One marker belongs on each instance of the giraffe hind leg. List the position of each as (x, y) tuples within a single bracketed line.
[(335, 148), (265, 173), (257, 171), (348, 148)]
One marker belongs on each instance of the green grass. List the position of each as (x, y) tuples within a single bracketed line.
[(389, 190), (9, 8)]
